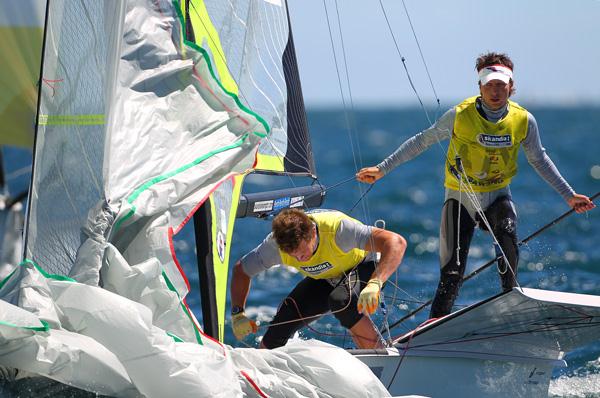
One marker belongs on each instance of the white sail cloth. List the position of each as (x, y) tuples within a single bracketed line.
[(11, 238), (135, 131), (104, 342)]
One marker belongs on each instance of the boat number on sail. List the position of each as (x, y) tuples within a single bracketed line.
[(263, 205), (495, 141), (221, 246), (318, 269)]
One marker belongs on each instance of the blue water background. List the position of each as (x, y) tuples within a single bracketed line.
[(565, 257)]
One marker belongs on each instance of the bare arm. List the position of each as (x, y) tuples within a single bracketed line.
[(391, 246), (240, 286), (261, 258)]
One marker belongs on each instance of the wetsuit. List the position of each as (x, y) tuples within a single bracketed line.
[(497, 203), (336, 273)]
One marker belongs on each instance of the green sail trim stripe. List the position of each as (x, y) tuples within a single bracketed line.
[(44, 328), (202, 51), (158, 179), (71, 120), (185, 309), (176, 338), (3, 282), (183, 168), (45, 274), (204, 29)]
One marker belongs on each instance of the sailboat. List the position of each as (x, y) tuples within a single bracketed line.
[(149, 120), (156, 112)]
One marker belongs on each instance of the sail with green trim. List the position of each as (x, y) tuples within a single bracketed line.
[(137, 131), (250, 43), (252, 46)]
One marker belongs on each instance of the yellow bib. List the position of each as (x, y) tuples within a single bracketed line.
[(329, 261), (488, 151)]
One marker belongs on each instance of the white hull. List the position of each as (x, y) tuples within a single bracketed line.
[(506, 346), (429, 375)]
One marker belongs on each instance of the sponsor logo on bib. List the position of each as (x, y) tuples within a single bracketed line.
[(318, 269), (495, 141)]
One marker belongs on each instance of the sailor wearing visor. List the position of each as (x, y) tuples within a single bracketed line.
[(485, 133)]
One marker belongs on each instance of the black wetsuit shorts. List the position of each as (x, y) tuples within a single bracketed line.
[(312, 298)]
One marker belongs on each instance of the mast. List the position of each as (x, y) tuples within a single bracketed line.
[(37, 119), (206, 274)]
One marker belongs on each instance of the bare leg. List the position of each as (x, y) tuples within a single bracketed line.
[(365, 335)]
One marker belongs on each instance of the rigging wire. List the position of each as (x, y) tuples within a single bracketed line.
[(410, 80), (462, 177), (492, 261), (350, 124), (351, 278), (437, 98)]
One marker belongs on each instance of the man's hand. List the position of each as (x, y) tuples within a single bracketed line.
[(242, 325), (580, 203), (369, 175), (369, 297)]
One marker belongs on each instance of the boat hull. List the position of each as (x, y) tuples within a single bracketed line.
[(505, 346), (466, 376)]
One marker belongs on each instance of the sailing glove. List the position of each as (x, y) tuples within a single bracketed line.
[(369, 297), (242, 325)]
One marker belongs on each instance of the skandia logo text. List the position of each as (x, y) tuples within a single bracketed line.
[(318, 269), (281, 203), (495, 141)]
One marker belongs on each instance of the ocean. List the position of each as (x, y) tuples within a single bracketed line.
[(565, 257)]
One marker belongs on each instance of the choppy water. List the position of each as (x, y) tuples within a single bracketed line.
[(565, 258)]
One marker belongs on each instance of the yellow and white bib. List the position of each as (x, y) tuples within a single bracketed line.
[(488, 150), (329, 261)]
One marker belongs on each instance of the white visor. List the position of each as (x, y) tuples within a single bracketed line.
[(495, 72)]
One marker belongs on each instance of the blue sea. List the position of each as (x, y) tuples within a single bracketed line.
[(565, 257)]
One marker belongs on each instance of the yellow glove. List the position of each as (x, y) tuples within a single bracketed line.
[(369, 297), (242, 325)]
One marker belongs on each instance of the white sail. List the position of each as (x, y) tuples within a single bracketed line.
[(135, 131)]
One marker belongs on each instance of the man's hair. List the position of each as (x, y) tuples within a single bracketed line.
[(493, 58), (290, 228)]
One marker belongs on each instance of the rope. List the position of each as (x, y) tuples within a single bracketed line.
[(492, 261), (307, 319)]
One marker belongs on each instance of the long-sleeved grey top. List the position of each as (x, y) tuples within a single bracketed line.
[(442, 130)]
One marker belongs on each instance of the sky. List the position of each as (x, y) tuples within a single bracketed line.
[(555, 46)]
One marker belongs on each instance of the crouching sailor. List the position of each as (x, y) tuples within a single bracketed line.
[(336, 253)]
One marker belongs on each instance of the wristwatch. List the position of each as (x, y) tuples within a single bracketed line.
[(236, 309)]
